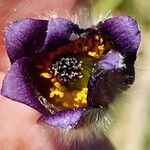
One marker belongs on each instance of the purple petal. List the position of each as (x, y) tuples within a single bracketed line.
[(24, 37), (63, 119), (110, 77), (123, 31), (59, 32), (19, 84), (110, 61)]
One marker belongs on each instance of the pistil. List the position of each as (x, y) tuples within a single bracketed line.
[(67, 69)]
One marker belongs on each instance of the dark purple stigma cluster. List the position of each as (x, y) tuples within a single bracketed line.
[(68, 69)]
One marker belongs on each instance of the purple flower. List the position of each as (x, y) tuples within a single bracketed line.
[(64, 72)]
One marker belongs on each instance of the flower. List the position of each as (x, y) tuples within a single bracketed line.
[(64, 72)]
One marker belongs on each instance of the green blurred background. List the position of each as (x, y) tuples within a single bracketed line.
[(130, 114)]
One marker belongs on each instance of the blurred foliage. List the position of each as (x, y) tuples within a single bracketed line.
[(103, 7), (147, 130), (140, 9)]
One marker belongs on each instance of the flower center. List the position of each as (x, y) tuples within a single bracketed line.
[(68, 69), (65, 71)]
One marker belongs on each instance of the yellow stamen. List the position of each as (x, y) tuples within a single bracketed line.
[(53, 80), (56, 92), (96, 37), (65, 104), (100, 50), (57, 85), (76, 105), (46, 75), (93, 54), (85, 48), (101, 47), (81, 96), (110, 51)]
